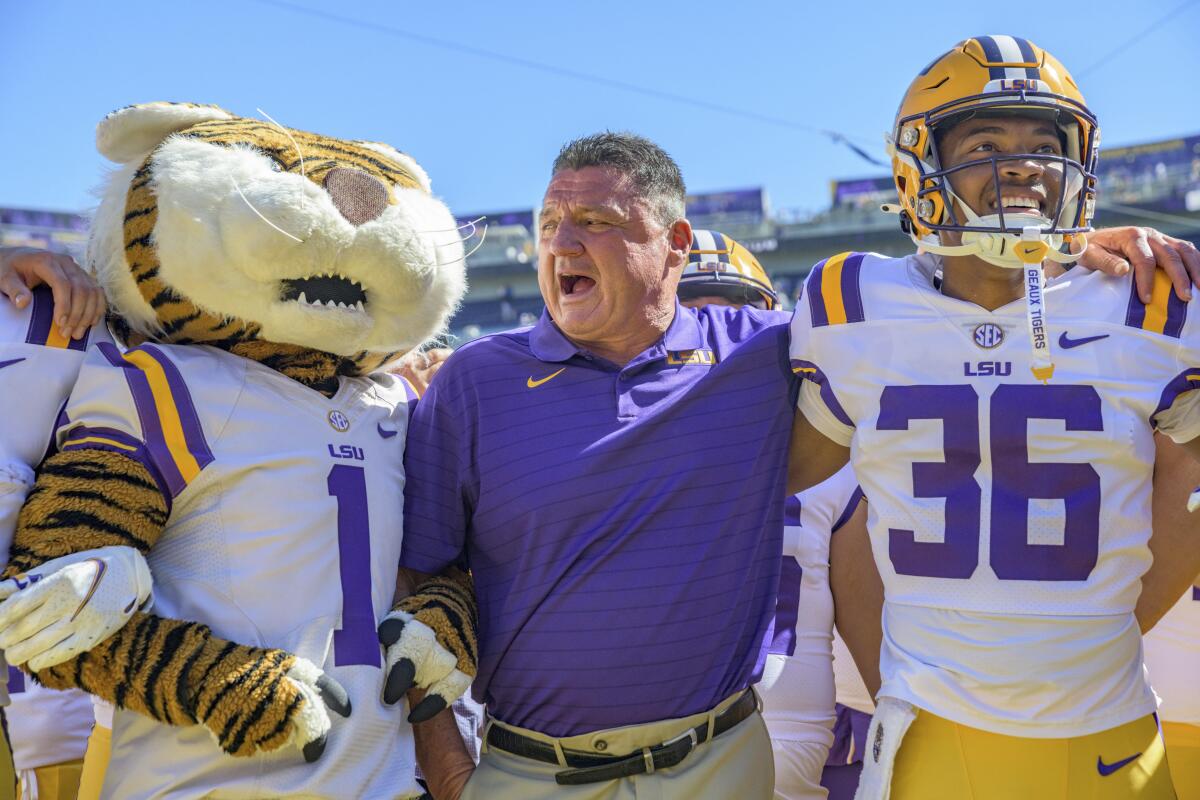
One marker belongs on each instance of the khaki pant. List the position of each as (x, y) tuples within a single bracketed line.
[(736, 764)]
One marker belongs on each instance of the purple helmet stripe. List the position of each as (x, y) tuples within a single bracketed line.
[(1028, 55)]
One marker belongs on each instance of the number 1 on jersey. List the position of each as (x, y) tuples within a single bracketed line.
[(356, 642)]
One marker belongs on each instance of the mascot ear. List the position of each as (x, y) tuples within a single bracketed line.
[(134, 131), (404, 159)]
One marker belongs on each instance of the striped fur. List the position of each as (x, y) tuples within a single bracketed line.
[(84, 499), (179, 673), (180, 321), (446, 603)]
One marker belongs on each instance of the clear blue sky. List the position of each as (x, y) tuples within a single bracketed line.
[(487, 129)]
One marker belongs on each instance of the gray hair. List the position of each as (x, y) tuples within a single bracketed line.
[(654, 174)]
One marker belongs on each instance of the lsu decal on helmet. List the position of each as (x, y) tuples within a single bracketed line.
[(994, 76), (720, 267)]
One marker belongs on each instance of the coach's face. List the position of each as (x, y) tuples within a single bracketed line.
[(607, 266)]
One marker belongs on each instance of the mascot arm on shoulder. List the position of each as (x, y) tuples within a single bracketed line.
[(281, 251)]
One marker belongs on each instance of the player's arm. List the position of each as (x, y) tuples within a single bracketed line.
[(441, 752), (1175, 540), (1145, 250), (78, 300), (857, 595), (812, 456), (430, 634)]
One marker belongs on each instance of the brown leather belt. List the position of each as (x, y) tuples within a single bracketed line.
[(592, 768)]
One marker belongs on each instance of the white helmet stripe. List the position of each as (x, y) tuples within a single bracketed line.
[(704, 240)]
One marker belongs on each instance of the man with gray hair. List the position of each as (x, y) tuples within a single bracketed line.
[(625, 550)]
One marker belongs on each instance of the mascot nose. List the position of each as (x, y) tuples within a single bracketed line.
[(358, 196)]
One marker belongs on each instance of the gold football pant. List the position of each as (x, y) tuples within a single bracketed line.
[(8, 773), (942, 760), (53, 781), (1183, 754), (95, 762)]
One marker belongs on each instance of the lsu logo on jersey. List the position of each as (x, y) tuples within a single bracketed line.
[(691, 358)]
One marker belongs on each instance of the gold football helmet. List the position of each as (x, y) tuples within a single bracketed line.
[(994, 75), (717, 265)]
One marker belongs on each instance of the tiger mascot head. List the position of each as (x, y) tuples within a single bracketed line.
[(316, 256)]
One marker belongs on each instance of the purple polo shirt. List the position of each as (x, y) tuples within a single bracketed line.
[(624, 524)]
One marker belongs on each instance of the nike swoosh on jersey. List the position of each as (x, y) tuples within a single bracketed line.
[(1066, 342), (532, 384), (384, 432), (10, 362), (1108, 769)]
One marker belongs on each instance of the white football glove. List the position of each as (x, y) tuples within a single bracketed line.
[(415, 658), (69, 605)]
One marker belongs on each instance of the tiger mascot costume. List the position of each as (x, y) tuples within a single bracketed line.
[(248, 444)]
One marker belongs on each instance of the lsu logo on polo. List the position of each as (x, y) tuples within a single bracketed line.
[(988, 335), (688, 358)]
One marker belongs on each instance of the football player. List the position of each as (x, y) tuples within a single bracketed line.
[(1173, 652), (798, 680), (43, 335), (1007, 451)]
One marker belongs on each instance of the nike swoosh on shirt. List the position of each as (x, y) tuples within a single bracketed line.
[(1066, 342), (532, 384), (10, 362), (384, 432), (1108, 769)]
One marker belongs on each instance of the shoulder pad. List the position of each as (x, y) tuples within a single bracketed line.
[(834, 297), (1165, 313)]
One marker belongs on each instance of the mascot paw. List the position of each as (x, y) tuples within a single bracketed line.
[(322, 694), (69, 605), (416, 658)]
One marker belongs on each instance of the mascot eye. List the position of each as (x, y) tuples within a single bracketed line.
[(276, 162)]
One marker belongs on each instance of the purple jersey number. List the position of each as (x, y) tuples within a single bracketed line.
[(1015, 481), (787, 608), (357, 641)]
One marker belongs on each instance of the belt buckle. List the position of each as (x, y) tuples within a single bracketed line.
[(690, 733)]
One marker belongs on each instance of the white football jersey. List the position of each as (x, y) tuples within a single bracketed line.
[(45, 726), (1009, 518), (38, 366), (284, 531), (797, 685), (1173, 659)]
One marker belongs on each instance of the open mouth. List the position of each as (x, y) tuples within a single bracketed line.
[(326, 291), (1020, 205), (574, 284)]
